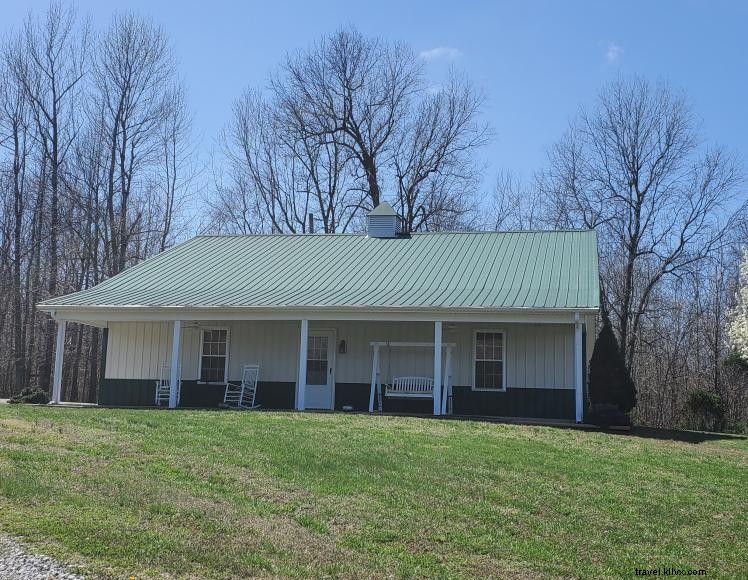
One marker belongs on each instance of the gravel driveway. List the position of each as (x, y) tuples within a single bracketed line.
[(17, 564)]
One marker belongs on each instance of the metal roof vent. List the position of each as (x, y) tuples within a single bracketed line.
[(383, 222)]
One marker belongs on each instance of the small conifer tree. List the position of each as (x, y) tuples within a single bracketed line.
[(609, 381)]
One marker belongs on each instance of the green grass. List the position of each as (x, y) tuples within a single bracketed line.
[(223, 494)]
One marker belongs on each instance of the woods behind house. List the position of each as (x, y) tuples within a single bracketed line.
[(99, 170)]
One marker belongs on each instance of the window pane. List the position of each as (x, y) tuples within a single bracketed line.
[(316, 372), (489, 346), (212, 369), (488, 374), (317, 348), (498, 349)]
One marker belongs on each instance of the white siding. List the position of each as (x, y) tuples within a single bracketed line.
[(135, 350), (537, 356), (355, 365), (272, 345)]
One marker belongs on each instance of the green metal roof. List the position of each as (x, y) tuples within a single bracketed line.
[(495, 270)]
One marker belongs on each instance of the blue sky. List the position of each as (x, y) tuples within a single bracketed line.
[(537, 62)]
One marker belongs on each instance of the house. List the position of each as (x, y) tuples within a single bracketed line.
[(470, 323)]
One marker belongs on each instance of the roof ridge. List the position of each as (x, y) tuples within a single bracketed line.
[(365, 235)]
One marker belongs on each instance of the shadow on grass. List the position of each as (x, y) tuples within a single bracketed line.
[(680, 436)]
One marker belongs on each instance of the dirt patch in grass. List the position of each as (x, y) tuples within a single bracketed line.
[(262, 487), (487, 567), (16, 424)]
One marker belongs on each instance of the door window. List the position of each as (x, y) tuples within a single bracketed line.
[(316, 360)]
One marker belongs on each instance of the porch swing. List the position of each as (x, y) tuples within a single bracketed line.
[(408, 387)]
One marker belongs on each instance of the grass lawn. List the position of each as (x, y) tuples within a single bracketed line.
[(225, 494)]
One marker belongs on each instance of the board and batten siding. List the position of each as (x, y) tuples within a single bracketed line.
[(135, 350), (272, 345), (538, 356)]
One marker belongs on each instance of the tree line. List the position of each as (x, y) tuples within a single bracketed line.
[(95, 165), (99, 170)]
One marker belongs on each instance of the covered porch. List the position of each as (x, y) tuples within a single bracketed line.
[(502, 364)]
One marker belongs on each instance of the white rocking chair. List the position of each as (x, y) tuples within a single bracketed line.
[(242, 395), (163, 385)]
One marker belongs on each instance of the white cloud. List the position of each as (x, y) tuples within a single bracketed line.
[(613, 53), (446, 52)]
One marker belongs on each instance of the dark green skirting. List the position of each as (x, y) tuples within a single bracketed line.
[(141, 393), (529, 403)]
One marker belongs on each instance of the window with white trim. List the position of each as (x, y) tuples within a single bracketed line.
[(214, 348), (488, 363)]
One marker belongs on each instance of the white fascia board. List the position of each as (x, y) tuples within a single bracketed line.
[(94, 315)]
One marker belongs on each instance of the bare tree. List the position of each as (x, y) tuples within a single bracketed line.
[(176, 172), (515, 206), (634, 169), (344, 125), (49, 69), (94, 172), (15, 135), (133, 74), (352, 90), (278, 175), (433, 155), (325, 181), (264, 171)]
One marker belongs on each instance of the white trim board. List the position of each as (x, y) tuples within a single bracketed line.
[(97, 316)]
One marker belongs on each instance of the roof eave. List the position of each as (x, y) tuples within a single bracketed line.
[(102, 315)]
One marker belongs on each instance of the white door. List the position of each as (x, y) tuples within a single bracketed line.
[(320, 364)]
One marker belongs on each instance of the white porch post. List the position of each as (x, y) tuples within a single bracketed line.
[(176, 341), (59, 353), (447, 381), (578, 386), (374, 377), (301, 381), (438, 367)]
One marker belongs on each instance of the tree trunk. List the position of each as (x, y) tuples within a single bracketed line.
[(45, 369), (19, 346)]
